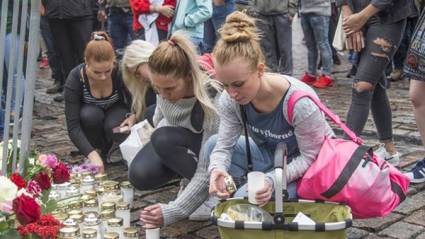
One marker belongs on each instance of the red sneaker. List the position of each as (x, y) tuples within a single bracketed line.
[(308, 79), (323, 82), (44, 63)]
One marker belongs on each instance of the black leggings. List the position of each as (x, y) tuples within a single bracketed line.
[(172, 152), (97, 125)]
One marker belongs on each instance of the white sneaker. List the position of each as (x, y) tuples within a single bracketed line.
[(203, 213), (393, 159)]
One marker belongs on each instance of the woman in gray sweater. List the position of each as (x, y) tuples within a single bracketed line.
[(185, 117), (262, 99)]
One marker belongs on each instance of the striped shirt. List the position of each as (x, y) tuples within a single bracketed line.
[(104, 102)]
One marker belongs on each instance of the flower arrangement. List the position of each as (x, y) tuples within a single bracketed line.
[(25, 199)]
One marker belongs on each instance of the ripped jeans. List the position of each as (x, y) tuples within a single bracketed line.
[(381, 43)]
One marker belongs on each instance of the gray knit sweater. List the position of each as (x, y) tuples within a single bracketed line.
[(196, 192), (318, 7)]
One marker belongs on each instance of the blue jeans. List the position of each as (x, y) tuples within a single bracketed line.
[(212, 25), (7, 52), (198, 42), (262, 160), (316, 35), (120, 27)]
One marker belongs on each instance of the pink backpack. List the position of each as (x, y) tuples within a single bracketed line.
[(346, 171)]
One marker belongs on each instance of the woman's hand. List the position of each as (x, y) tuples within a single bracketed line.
[(354, 23), (152, 216), (355, 41), (130, 121), (263, 195), (217, 185), (95, 159), (166, 10)]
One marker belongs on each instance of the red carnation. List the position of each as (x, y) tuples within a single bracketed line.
[(43, 180), (61, 174), (47, 227), (26, 209), (18, 180)]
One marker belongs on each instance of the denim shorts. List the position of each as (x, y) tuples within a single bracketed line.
[(381, 43), (415, 59)]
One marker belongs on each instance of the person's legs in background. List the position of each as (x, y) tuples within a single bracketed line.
[(55, 61), (268, 41), (283, 30)]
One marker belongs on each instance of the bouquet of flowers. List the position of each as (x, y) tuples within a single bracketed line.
[(26, 200)]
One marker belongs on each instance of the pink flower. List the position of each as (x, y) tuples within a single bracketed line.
[(48, 160), (6, 207), (34, 188)]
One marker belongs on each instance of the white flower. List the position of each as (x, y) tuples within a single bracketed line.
[(8, 189)]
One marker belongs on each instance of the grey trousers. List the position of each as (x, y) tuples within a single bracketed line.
[(276, 41)]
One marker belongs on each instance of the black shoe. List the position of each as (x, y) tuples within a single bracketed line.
[(56, 88), (336, 60), (58, 98)]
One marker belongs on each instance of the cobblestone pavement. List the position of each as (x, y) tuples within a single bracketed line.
[(407, 221)]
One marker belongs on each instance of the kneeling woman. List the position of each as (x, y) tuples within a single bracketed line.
[(185, 117), (96, 101), (261, 99)]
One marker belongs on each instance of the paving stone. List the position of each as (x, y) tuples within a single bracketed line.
[(417, 218), (402, 230), (377, 224), (210, 232), (182, 228), (421, 236), (374, 236), (412, 158), (355, 233), (411, 204)]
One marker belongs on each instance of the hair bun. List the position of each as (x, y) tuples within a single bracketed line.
[(239, 27)]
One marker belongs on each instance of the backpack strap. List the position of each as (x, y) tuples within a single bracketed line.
[(297, 95)]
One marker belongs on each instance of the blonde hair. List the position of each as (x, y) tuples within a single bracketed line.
[(177, 58), (136, 54), (239, 38)]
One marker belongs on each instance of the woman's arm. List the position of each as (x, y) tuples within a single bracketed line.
[(228, 134)]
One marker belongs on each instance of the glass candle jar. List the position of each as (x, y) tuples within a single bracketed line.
[(105, 215), (75, 205), (70, 223), (69, 232), (89, 233), (90, 206), (127, 191), (91, 221), (100, 178), (79, 219), (107, 205), (123, 211), (75, 212), (91, 193), (111, 235), (61, 216), (131, 233), (115, 225), (62, 188), (72, 191), (87, 184)]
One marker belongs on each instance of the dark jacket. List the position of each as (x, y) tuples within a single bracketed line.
[(74, 99), (392, 11), (64, 9)]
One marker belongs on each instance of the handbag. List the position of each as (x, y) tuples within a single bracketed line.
[(339, 37), (346, 171), (140, 135)]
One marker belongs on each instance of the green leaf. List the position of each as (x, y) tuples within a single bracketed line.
[(10, 234), (49, 206)]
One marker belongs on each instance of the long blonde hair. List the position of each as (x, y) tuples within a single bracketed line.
[(177, 58), (239, 38), (135, 54)]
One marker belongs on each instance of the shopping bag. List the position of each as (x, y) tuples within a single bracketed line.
[(339, 37), (140, 135)]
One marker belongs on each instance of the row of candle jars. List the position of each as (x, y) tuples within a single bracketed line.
[(73, 232)]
